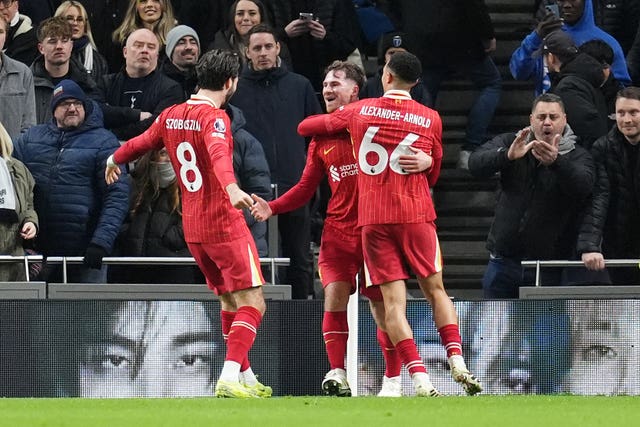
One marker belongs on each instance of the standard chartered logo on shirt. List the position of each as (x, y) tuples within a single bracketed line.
[(337, 173)]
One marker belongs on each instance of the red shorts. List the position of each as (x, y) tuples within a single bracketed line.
[(390, 250), (341, 259), (230, 266)]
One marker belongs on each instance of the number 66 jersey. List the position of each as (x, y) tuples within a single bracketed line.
[(382, 129), (197, 135)]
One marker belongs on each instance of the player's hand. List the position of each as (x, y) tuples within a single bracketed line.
[(417, 162), (28, 230), (112, 172), (239, 199), (144, 115), (260, 209), (593, 260), (546, 153), (519, 147)]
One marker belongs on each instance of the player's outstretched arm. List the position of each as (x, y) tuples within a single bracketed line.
[(112, 171), (239, 199), (260, 209)]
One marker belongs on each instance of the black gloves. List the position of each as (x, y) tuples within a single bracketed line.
[(93, 256), (549, 24)]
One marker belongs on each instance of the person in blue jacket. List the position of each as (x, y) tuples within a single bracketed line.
[(79, 215), (576, 18)]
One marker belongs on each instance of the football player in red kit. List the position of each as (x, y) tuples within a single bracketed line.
[(341, 248), (396, 211), (197, 136)]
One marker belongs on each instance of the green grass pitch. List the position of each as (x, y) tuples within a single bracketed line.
[(494, 411)]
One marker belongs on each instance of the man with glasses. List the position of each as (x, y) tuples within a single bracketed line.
[(55, 64), (79, 214), (21, 44)]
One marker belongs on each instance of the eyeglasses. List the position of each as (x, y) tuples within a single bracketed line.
[(71, 19), (73, 102)]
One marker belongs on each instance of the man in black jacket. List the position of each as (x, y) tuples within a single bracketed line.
[(545, 179), (610, 228), (274, 101), (133, 98), (576, 78), (22, 43)]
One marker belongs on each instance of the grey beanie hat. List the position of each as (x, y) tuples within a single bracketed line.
[(174, 36)]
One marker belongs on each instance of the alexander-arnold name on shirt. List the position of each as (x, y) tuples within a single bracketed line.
[(385, 113)]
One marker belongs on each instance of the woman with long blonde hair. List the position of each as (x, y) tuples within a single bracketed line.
[(84, 48), (155, 15), (18, 218)]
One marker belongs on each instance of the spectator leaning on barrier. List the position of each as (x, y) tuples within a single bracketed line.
[(79, 214), (610, 228)]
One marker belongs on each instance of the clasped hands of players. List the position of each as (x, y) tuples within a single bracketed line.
[(544, 152), (410, 163)]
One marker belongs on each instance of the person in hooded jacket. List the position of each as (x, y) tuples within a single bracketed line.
[(576, 79), (577, 19)]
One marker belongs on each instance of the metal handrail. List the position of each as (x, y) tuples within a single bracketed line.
[(273, 262), (565, 263)]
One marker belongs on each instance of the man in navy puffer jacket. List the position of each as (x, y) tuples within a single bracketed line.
[(80, 215)]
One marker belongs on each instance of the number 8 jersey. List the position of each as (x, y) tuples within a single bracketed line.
[(381, 130), (198, 139)]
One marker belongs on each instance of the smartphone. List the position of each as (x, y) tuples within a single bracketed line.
[(306, 16), (553, 8)]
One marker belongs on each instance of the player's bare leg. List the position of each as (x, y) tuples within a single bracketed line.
[(399, 330), (391, 386), (446, 320), (250, 309), (335, 331)]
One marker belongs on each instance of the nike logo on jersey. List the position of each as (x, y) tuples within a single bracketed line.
[(328, 150)]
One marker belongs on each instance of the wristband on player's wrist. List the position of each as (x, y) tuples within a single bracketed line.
[(111, 163)]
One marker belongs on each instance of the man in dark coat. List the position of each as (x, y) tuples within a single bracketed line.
[(610, 228), (134, 97), (79, 215), (577, 80), (274, 100), (545, 179)]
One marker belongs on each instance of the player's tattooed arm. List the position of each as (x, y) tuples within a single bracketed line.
[(239, 199)]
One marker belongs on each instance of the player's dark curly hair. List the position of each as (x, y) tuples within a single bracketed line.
[(216, 67), (351, 71), (405, 66)]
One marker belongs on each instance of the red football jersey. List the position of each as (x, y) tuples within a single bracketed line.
[(198, 139), (381, 130), (331, 156)]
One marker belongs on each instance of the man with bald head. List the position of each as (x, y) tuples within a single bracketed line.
[(133, 98)]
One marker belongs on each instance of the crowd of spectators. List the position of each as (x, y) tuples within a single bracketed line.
[(117, 64)]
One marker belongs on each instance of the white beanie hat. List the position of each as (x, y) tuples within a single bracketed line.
[(174, 36)]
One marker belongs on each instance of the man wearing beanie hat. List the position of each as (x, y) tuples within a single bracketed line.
[(79, 215), (135, 96), (388, 44), (183, 52), (576, 78)]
